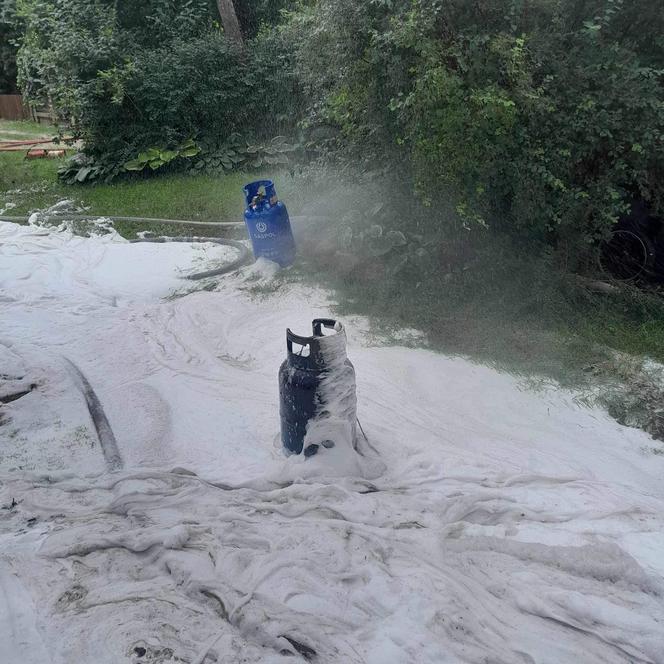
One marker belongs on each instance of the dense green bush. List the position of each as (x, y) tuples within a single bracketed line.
[(539, 117), (190, 87), (253, 14), (130, 77)]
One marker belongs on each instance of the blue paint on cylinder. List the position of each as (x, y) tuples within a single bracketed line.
[(268, 223), (300, 378)]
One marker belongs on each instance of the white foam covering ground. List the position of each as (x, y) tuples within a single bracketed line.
[(492, 525)]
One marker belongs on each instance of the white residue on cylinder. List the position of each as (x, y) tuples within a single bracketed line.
[(335, 421)]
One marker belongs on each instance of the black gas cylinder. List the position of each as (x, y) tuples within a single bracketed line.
[(317, 390)]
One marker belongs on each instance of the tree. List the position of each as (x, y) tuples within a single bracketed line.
[(229, 21), (9, 34)]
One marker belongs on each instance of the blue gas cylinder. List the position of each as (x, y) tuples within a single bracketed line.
[(317, 390), (268, 223)]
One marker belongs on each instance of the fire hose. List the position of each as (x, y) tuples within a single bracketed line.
[(242, 259)]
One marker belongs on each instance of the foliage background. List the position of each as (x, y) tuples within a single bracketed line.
[(130, 76), (541, 120)]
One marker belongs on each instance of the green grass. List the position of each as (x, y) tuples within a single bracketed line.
[(34, 186), (202, 198), (15, 130), (560, 330), (17, 172)]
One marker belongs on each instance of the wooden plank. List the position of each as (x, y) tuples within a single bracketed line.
[(13, 108)]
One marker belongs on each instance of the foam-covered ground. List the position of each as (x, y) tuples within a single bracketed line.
[(492, 524)]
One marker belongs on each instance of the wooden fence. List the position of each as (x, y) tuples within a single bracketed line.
[(13, 108)]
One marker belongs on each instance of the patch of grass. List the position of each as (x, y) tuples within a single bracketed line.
[(17, 172), (34, 186), (15, 130), (509, 309), (635, 327), (200, 198)]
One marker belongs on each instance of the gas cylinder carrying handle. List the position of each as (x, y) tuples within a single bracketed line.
[(292, 338), (251, 190)]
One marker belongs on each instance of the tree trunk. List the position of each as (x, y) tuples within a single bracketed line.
[(229, 21)]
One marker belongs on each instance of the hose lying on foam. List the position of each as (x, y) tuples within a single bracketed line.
[(109, 445), (241, 260)]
